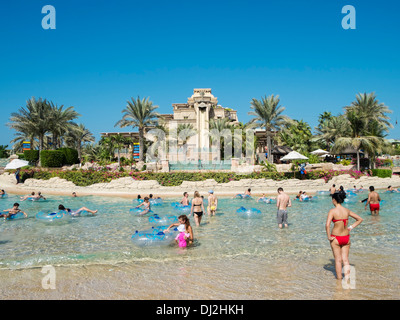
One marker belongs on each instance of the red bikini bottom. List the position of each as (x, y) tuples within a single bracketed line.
[(343, 240)]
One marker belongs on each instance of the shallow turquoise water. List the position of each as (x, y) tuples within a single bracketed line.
[(106, 237)]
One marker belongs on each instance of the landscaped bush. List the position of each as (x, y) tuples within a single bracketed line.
[(52, 158), (92, 176), (71, 156), (382, 173), (31, 155)]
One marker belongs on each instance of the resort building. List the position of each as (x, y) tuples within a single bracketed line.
[(195, 116)]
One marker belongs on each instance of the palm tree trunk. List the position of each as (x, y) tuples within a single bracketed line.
[(358, 160), (269, 148)]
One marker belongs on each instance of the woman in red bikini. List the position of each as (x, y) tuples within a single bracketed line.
[(340, 237)]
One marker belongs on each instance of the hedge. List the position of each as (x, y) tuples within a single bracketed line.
[(52, 158), (71, 156), (382, 173), (31, 155)]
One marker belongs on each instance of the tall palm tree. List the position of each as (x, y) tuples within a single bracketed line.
[(139, 113), (32, 120), (268, 115), (76, 136), (358, 138), (330, 130), (60, 121), (185, 131)]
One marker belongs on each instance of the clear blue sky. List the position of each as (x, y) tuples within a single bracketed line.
[(102, 53)]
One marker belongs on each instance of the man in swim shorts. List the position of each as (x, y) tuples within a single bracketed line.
[(373, 201), (282, 202)]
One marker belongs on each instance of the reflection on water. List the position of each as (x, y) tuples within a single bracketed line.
[(232, 257)]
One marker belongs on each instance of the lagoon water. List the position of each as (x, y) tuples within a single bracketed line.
[(232, 257)]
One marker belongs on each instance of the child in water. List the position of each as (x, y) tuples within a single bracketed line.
[(185, 231)]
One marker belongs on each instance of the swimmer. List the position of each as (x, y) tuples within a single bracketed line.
[(332, 190), (146, 205), (212, 203), (77, 212), (2, 192), (390, 189), (246, 193), (373, 201), (262, 198), (197, 208), (185, 199), (185, 236), (299, 194), (340, 237), (28, 196), (13, 211), (305, 196), (74, 194)]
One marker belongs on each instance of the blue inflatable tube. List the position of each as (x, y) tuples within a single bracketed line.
[(17, 216), (3, 196), (155, 219), (267, 200), (249, 213), (323, 193), (138, 210), (154, 237), (53, 216), (243, 196), (36, 199), (178, 206), (308, 199)]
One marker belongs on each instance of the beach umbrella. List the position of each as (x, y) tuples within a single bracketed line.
[(294, 155), (320, 152), (17, 163)]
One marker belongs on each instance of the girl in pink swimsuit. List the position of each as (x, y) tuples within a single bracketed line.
[(340, 236), (185, 235)]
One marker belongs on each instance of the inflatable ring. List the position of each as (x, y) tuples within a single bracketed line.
[(324, 193), (36, 199), (52, 216), (154, 236), (155, 219), (17, 216), (307, 199), (138, 210), (242, 196), (3, 196), (267, 200), (249, 213), (178, 206)]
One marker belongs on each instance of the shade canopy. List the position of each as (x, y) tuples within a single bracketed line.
[(319, 152), (294, 155), (17, 163)]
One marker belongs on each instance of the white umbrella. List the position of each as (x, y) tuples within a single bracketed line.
[(17, 163), (319, 152), (294, 155)]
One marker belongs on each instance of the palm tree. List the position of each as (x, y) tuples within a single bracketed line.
[(32, 121), (330, 130), (185, 131), (118, 143), (297, 135), (268, 115), (139, 114), (60, 122), (358, 138), (77, 135)]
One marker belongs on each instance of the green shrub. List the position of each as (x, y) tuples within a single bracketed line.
[(345, 162), (21, 156), (31, 155), (382, 173), (52, 158), (71, 156)]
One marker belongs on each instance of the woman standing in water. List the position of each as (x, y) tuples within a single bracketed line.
[(340, 236), (197, 208)]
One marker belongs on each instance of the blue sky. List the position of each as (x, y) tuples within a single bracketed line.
[(102, 53)]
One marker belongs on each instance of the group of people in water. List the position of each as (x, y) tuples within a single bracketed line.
[(339, 236), (11, 212)]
